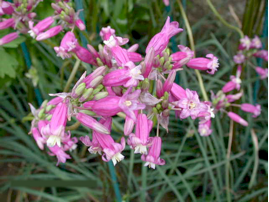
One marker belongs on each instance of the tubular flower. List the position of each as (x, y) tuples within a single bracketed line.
[(68, 43), (255, 110), (210, 63), (235, 117), (182, 57), (263, 72), (55, 129), (161, 40), (140, 140), (153, 157)]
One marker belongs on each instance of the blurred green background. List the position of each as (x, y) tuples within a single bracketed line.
[(197, 168)]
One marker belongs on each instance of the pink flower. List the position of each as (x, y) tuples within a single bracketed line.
[(106, 33), (239, 58), (68, 43), (129, 124), (166, 2), (161, 40), (255, 110), (256, 43), (210, 64), (94, 146), (55, 130), (108, 106), (8, 38), (178, 92), (149, 62), (190, 105), (263, 72), (204, 128), (235, 117), (261, 54), (127, 77), (167, 86), (38, 138), (120, 55), (79, 23), (244, 43), (7, 23), (84, 55), (153, 157), (7, 8), (50, 33), (59, 153), (112, 150), (40, 27), (129, 103), (235, 82), (232, 98), (181, 57), (140, 140), (91, 123)]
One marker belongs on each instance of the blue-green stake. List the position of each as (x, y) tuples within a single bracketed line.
[(79, 6), (29, 64), (259, 60)]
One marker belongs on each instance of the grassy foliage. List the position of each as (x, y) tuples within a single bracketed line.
[(197, 168)]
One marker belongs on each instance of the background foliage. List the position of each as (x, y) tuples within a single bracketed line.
[(197, 168)]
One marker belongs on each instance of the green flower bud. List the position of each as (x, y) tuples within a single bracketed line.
[(44, 103), (95, 82), (79, 90), (99, 62), (41, 112), (86, 94), (162, 61), (98, 89), (88, 112), (100, 95)]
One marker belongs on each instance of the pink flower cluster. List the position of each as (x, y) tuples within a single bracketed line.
[(249, 48), (221, 100), (22, 19), (122, 84)]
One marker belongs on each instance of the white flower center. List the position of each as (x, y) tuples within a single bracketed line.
[(117, 158), (191, 105), (53, 140), (128, 103), (150, 165), (140, 149)]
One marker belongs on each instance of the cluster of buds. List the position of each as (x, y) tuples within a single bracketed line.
[(221, 100), (20, 16), (249, 48), (123, 83)]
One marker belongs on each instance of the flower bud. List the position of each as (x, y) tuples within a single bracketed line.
[(79, 23), (235, 117), (8, 38), (79, 90), (86, 94), (100, 95)]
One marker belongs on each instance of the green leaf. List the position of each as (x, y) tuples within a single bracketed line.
[(8, 64)]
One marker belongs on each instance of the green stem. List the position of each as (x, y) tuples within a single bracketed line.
[(144, 182), (228, 162), (131, 166), (189, 31), (214, 10), (72, 76)]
